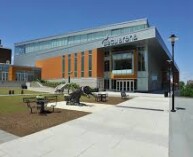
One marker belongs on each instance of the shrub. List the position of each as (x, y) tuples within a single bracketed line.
[(190, 85), (181, 84), (186, 91), (72, 86), (50, 83)]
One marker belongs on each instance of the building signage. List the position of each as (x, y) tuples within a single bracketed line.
[(119, 40)]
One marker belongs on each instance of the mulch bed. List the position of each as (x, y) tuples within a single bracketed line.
[(24, 123), (110, 100)]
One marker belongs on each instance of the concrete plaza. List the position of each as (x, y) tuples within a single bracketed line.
[(138, 127), (181, 128)]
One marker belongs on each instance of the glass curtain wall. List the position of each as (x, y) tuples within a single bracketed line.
[(123, 63), (74, 39)]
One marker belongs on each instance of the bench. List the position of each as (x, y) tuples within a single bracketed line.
[(124, 95), (52, 98), (30, 101), (33, 102)]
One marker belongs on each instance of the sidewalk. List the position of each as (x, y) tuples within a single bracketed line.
[(86, 107), (181, 128), (6, 137), (135, 128)]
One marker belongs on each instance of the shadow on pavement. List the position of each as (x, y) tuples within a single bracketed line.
[(140, 108)]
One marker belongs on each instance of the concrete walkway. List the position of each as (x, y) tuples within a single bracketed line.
[(136, 128), (5, 137), (86, 107), (181, 128)]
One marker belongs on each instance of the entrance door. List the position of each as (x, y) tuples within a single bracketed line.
[(125, 85), (4, 76)]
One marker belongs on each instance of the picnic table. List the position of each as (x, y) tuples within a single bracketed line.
[(40, 102), (101, 97)]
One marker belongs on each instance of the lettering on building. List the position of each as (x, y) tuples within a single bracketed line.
[(119, 40)]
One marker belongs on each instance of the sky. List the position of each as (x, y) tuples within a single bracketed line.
[(22, 20)]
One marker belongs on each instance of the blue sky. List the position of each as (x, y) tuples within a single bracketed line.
[(22, 20)]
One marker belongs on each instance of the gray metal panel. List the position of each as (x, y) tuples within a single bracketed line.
[(160, 40)]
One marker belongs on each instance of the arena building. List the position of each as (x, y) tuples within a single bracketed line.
[(129, 56)]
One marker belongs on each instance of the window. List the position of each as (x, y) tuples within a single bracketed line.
[(116, 32), (69, 63), (90, 64), (141, 59), (123, 61), (107, 68), (82, 64), (63, 66), (4, 76), (106, 84), (75, 65), (84, 38), (106, 53)]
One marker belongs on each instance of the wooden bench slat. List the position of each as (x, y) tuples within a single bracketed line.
[(29, 100)]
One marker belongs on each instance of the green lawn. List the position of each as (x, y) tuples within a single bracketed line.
[(14, 103), (5, 91)]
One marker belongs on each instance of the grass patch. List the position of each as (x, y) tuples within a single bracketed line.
[(16, 118), (5, 91)]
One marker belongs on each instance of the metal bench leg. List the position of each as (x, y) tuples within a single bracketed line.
[(28, 104)]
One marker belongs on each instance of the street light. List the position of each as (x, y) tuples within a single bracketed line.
[(172, 39), (169, 78), (69, 73)]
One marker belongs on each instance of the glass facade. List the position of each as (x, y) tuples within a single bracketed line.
[(141, 59), (75, 65), (4, 69), (82, 64), (63, 66), (76, 39), (107, 66), (69, 64), (90, 63), (20, 75), (123, 63)]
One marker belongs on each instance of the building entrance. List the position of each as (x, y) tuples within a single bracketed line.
[(125, 85)]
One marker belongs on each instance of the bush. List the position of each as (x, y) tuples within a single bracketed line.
[(94, 89), (186, 91), (50, 84), (181, 84), (190, 85), (72, 86)]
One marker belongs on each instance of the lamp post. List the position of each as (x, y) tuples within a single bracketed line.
[(172, 39), (69, 80), (169, 78)]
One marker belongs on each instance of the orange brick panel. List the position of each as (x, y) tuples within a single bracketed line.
[(94, 61), (51, 67)]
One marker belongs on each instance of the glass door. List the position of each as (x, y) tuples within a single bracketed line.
[(125, 85)]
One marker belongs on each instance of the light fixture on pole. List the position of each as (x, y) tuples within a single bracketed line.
[(172, 39), (169, 77), (69, 73)]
